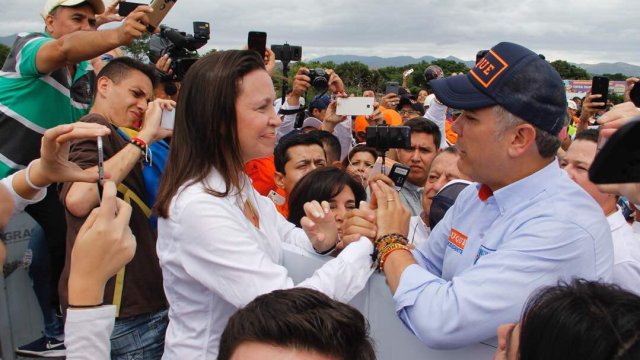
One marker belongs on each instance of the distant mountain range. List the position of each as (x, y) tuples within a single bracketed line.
[(378, 62)]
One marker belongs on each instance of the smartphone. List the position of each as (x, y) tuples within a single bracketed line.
[(635, 94), (355, 106), (258, 42), (168, 119), (160, 10), (618, 161), (287, 52), (600, 85), (398, 175), (100, 166), (125, 8), (391, 87), (407, 73)]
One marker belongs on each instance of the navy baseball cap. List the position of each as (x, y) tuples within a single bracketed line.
[(513, 77), (320, 102)]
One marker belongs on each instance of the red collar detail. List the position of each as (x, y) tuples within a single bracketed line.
[(485, 192)]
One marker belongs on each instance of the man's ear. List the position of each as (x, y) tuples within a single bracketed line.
[(278, 178), (103, 85), (48, 24), (337, 164), (523, 137)]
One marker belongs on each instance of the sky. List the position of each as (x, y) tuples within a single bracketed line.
[(579, 31)]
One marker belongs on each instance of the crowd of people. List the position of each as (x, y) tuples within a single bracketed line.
[(168, 242)]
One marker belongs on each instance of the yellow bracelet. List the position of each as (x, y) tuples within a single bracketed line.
[(388, 250)]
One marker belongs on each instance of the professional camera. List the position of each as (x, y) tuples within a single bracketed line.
[(385, 137), (180, 47), (319, 79)]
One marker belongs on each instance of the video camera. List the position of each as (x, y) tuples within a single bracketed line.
[(180, 46)]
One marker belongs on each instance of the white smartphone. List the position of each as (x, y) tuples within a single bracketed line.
[(355, 106), (168, 119)]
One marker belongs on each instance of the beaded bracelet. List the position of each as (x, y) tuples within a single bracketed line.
[(139, 143), (142, 145), (387, 236), (384, 240), (387, 251)]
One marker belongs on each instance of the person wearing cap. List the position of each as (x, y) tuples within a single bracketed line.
[(512, 231), (409, 109), (47, 81)]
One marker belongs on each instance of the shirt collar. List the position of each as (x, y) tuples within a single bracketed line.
[(527, 188), (616, 220)]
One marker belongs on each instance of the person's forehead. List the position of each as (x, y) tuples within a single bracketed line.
[(421, 139), (302, 152), (444, 161), (363, 155), (582, 150), (136, 80)]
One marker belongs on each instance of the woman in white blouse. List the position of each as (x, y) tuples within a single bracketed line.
[(220, 243)]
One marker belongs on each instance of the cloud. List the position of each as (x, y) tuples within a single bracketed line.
[(578, 31)]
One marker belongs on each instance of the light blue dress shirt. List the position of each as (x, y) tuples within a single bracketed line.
[(485, 258)]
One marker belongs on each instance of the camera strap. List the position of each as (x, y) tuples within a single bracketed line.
[(291, 111)]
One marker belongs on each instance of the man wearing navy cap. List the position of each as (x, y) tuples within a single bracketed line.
[(514, 230)]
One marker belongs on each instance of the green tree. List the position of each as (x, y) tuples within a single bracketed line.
[(570, 71), (139, 48), (4, 53), (616, 76)]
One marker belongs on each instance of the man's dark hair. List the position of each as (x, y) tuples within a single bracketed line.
[(425, 126), (300, 318), (333, 148), (581, 320), (280, 153), (118, 69), (588, 135)]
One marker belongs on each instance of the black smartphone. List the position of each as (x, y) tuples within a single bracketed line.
[(618, 161), (125, 8), (391, 87), (100, 166), (600, 85), (287, 52), (257, 41), (635, 94), (384, 137), (398, 175)]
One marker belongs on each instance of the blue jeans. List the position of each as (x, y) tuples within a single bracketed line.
[(139, 337), (44, 285)]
